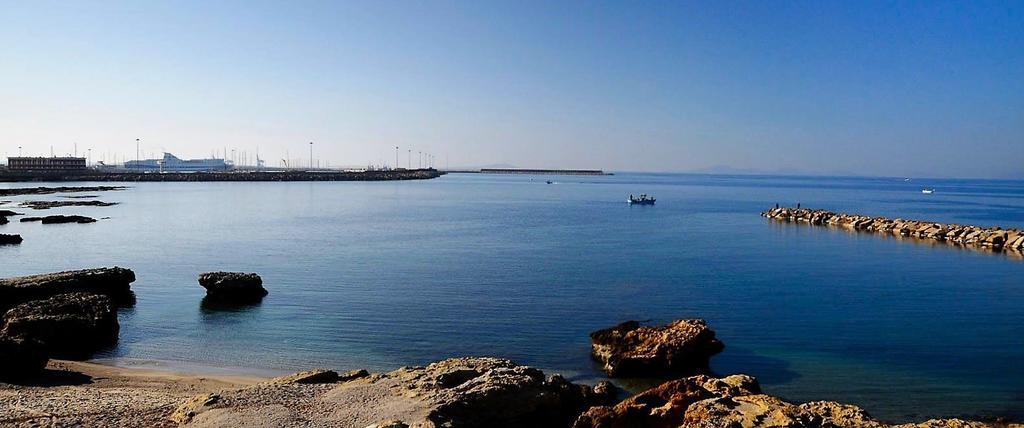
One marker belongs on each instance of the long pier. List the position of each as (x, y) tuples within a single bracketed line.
[(120, 176), (992, 238), (542, 171)]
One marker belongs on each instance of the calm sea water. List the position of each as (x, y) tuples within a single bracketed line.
[(380, 275)]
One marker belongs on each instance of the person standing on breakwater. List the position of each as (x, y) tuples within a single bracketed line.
[(797, 205)]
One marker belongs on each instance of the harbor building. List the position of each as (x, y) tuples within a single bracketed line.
[(21, 163), (171, 163)]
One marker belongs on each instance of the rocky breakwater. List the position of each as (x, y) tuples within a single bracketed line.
[(991, 238), (737, 401), (458, 392), (6, 239), (232, 287), (682, 347)]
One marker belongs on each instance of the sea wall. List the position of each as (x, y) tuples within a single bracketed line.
[(991, 238), (415, 174)]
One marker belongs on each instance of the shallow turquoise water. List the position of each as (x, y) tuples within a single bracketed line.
[(380, 275)]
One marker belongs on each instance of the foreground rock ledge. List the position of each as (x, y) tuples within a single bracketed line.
[(235, 287), (736, 401), (682, 347), (458, 392), (114, 282), (992, 238)]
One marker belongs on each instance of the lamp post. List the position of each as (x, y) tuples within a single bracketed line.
[(310, 155), (396, 157), (408, 160), (136, 153)]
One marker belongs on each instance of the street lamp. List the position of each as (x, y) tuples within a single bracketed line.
[(310, 155), (396, 157)]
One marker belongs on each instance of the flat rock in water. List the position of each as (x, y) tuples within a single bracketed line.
[(60, 219), (682, 347), (233, 286), (45, 205), (9, 239), (73, 325), (114, 282)]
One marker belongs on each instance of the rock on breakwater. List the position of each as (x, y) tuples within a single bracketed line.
[(991, 238)]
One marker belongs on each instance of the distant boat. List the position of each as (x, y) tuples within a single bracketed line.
[(640, 200), (927, 191), (551, 182), (906, 179)]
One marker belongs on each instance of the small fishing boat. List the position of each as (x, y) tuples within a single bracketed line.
[(551, 182), (640, 200), (927, 191)]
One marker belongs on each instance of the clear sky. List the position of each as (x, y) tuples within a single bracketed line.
[(898, 88)]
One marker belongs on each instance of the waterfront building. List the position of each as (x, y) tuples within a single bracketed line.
[(68, 163), (171, 163)]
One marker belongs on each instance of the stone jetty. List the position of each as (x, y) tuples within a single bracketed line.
[(991, 238), (6, 239)]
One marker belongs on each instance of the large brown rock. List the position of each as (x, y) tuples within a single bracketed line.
[(682, 347), (232, 287), (665, 405), (71, 325), (734, 402), (113, 282)]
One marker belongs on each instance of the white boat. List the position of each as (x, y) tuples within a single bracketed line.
[(642, 200), (927, 191)]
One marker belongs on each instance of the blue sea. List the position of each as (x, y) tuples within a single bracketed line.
[(384, 274)]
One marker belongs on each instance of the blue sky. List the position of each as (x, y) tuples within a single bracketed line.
[(825, 87)]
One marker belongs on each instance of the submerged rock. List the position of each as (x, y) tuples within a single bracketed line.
[(682, 347), (71, 325), (9, 239), (235, 287), (20, 359), (114, 282), (60, 219), (45, 205)]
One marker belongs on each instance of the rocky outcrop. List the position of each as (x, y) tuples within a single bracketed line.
[(992, 238), (4, 214), (233, 287), (45, 205), (20, 359), (475, 392), (10, 239), (458, 392), (49, 190), (682, 347), (73, 325), (60, 219), (735, 402), (113, 282)]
